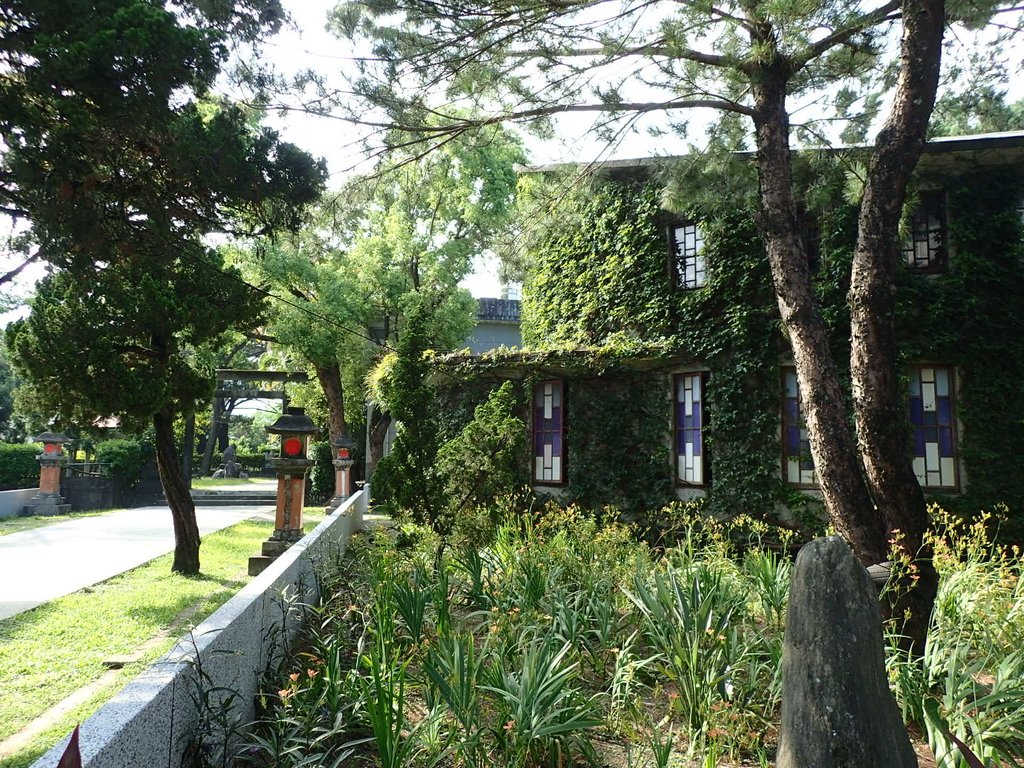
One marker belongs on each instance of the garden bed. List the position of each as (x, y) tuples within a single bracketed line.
[(566, 642)]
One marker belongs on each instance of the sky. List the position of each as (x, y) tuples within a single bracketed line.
[(307, 44)]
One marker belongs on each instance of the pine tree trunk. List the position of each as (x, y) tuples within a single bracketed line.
[(330, 382), (204, 467), (183, 510), (833, 447), (879, 403)]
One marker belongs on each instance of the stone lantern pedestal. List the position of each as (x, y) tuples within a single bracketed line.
[(342, 472), (49, 501), (291, 466)]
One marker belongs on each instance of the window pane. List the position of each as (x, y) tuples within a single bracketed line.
[(798, 466), (688, 260), (689, 420), (931, 419), (925, 246)]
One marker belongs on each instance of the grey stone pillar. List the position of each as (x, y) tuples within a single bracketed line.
[(837, 709)]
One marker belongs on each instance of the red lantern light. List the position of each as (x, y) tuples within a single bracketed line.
[(343, 453), (51, 448), (292, 447)]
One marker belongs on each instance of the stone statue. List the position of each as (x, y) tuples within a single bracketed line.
[(231, 466)]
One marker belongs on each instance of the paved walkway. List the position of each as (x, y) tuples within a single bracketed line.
[(48, 562)]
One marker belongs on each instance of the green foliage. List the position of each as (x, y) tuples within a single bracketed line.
[(411, 226), (12, 424), (123, 172), (608, 418), (321, 477), (19, 467), (125, 457), (485, 461), (610, 236), (563, 634), (600, 237), (730, 327), (407, 478), (965, 317)]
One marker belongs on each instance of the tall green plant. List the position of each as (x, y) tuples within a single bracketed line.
[(407, 479), (485, 460)]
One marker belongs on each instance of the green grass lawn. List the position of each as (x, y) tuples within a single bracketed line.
[(51, 651), (19, 524)]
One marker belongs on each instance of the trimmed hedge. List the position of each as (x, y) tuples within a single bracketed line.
[(125, 457), (19, 467)]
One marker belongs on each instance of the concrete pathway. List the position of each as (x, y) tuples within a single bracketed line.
[(48, 562)]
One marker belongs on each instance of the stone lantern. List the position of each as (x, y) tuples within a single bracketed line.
[(343, 471), (49, 501), (292, 465)]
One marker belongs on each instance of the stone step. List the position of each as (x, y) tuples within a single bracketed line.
[(234, 498)]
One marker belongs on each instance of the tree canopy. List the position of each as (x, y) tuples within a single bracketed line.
[(122, 163), (622, 62), (411, 227)]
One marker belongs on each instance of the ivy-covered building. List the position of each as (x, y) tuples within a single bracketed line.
[(655, 366)]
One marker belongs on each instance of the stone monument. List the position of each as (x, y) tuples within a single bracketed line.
[(837, 709)]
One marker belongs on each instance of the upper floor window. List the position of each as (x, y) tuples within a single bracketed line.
[(548, 424), (688, 267), (931, 419), (691, 458), (797, 464), (925, 247)]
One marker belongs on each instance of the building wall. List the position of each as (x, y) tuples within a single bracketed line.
[(614, 237)]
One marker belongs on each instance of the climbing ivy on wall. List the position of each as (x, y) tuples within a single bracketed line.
[(598, 283), (972, 317)]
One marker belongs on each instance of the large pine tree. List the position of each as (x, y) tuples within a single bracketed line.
[(121, 164)]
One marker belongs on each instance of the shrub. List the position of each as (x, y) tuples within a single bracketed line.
[(321, 478), (125, 458), (18, 466)]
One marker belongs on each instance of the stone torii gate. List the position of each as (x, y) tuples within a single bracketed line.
[(236, 384)]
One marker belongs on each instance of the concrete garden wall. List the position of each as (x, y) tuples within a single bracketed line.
[(154, 719), (12, 502)]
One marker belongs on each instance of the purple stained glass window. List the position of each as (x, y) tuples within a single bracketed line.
[(691, 461), (932, 390), (548, 450), (797, 464)]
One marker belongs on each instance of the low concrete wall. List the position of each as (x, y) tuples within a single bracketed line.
[(153, 720), (12, 502)]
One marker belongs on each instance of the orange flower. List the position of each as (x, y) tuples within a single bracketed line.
[(311, 673), (294, 677)]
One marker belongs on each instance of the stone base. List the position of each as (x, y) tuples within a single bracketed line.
[(259, 563), (274, 548), (46, 506), (333, 504)]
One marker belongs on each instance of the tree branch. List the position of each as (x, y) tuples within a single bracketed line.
[(9, 276), (841, 36)]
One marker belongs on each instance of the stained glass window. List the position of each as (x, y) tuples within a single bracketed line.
[(925, 247), (691, 458), (931, 416), (548, 445), (687, 256), (797, 464)]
